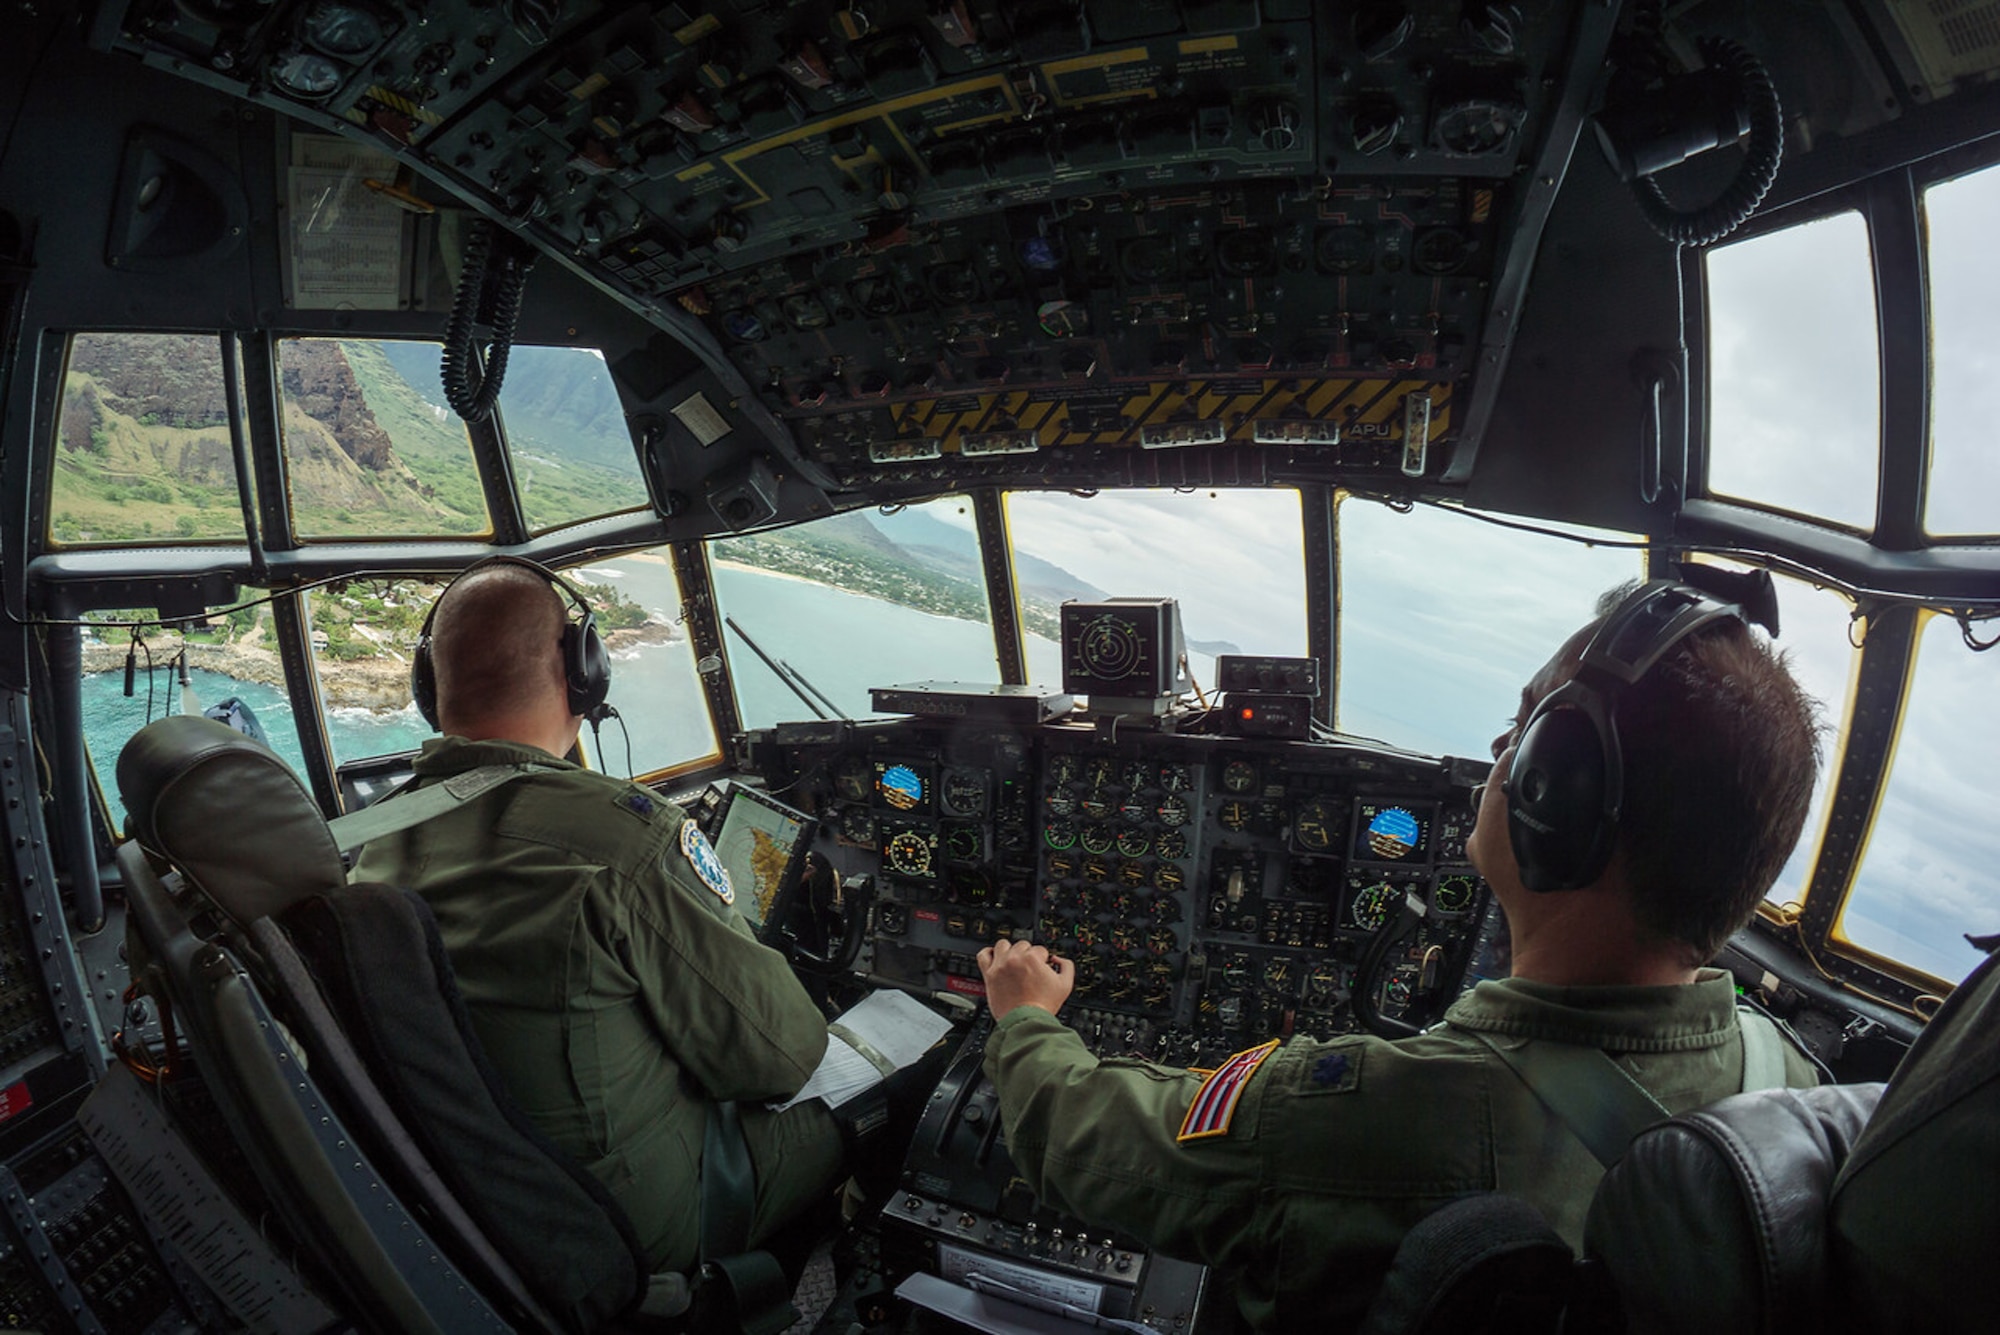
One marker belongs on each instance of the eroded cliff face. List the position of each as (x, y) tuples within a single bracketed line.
[(319, 381)]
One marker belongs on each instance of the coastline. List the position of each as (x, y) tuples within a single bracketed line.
[(380, 684)]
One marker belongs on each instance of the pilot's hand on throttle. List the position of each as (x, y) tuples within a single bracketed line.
[(1019, 974)]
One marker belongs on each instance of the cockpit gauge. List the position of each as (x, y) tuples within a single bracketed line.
[(1136, 775), (1061, 803), (1120, 903), (1239, 776), (1135, 808), (1371, 906), (1060, 834), (1061, 866), (1176, 778), (964, 843), (857, 826), (1097, 804), (1234, 815), (1097, 839), (1172, 844), (1086, 933), (1169, 878), (1172, 811), (1160, 941), (967, 886), (1454, 894), (1317, 824), (1063, 769), (1050, 928), (1096, 870), (1322, 985), (1278, 974), (908, 853), (963, 792), (1011, 838), (1124, 937), (901, 787), (1100, 772), (1236, 969), (1133, 842), (1132, 873), (854, 781)]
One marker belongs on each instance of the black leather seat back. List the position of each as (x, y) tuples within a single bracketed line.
[(1915, 1221), (1716, 1220)]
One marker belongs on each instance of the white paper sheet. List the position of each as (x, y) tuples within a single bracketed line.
[(890, 1026)]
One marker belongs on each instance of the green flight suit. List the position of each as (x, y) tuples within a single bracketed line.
[(614, 991), (1336, 1149)]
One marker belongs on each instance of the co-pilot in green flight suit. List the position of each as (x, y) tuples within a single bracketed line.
[(617, 994), (1333, 1150)]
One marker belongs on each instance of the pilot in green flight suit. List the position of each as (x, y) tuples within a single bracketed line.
[(611, 981), (1296, 1168)]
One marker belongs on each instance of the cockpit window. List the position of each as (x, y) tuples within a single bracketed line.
[(1793, 371), (565, 429), (366, 453), (142, 448), (1443, 619), (1961, 217), (842, 604), (1235, 560), (232, 670), (1927, 876)]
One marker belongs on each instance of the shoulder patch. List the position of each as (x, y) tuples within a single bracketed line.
[(701, 856), (1334, 1072), (1215, 1102)]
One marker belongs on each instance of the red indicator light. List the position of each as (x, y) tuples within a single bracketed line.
[(1249, 713)]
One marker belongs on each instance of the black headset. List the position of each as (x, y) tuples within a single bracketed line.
[(586, 662), (1566, 786)]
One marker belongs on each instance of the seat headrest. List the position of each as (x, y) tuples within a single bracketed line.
[(229, 813), (1716, 1220)]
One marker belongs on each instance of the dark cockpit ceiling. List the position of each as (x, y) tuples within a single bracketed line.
[(850, 254)]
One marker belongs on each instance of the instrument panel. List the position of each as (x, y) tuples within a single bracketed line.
[(1211, 891)]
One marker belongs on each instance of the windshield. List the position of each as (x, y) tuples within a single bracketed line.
[(858, 600), (1443, 619), (1235, 561)]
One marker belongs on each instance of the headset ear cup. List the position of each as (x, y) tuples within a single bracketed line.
[(586, 665), (1556, 792), (423, 680)]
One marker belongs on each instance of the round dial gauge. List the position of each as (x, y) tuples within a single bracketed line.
[(1278, 974), (1124, 936), (1051, 928), (1120, 903), (1166, 909), (1061, 833), (1234, 815), (1322, 984), (1061, 866), (1136, 774), (854, 781), (1133, 843), (1171, 845), (1454, 894), (1097, 839), (1236, 970), (1176, 778), (1132, 873), (1100, 773), (1135, 808), (1062, 770), (1371, 906), (964, 792), (1087, 933), (1096, 870), (1161, 941), (909, 853), (967, 843), (857, 826), (1315, 824), (1169, 878), (1172, 812), (1239, 776), (1061, 803), (1097, 804)]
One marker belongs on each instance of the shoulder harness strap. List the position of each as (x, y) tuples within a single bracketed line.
[(1763, 1051), (1601, 1104), (406, 806)]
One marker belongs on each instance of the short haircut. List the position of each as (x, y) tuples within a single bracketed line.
[(497, 643), (1721, 749)]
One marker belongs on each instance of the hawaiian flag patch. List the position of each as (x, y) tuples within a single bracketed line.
[(1215, 1102)]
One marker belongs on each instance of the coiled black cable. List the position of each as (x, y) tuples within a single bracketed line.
[(489, 293), (1762, 154)]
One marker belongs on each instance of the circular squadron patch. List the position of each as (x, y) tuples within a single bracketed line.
[(701, 856)]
